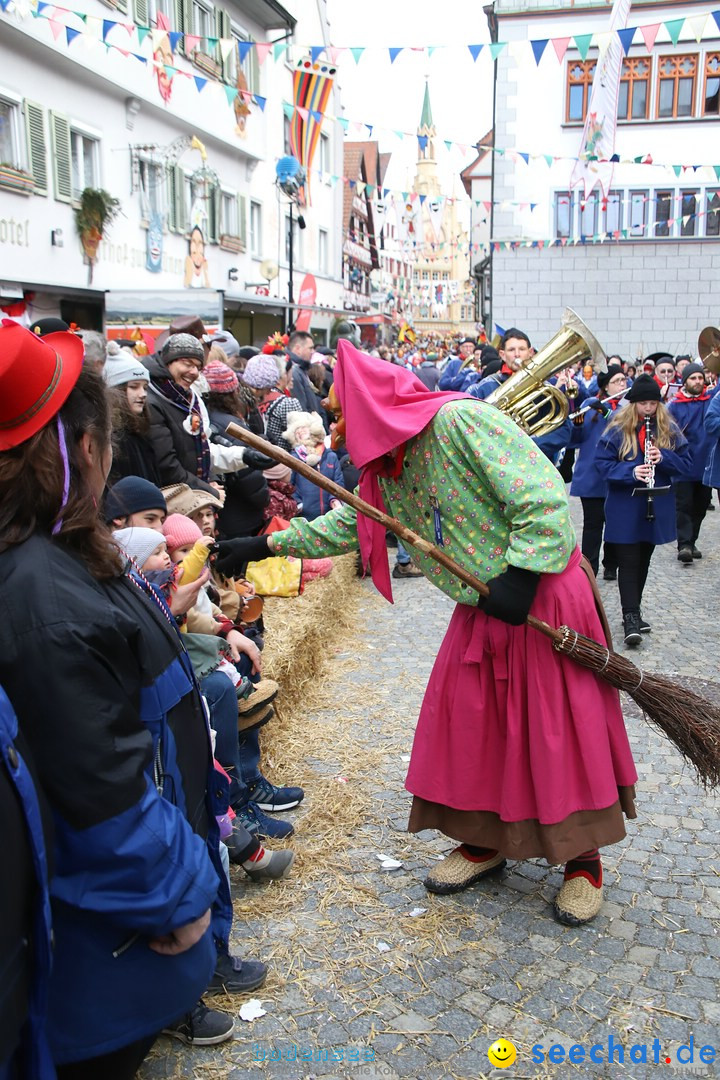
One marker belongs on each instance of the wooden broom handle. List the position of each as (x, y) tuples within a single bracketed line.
[(391, 523)]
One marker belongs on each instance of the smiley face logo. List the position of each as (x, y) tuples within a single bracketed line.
[(502, 1054)]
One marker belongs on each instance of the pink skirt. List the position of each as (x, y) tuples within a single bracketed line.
[(511, 727)]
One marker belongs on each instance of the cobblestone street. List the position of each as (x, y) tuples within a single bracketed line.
[(366, 962)]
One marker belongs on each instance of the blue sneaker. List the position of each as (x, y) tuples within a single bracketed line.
[(256, 823), (273, 799)]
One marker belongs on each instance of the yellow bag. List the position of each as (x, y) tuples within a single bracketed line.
[(279, 576)]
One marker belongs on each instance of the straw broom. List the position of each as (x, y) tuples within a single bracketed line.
[(690, 722)]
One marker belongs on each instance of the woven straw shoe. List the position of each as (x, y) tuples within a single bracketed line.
[(456, 873), (265, 691), (577, 902)]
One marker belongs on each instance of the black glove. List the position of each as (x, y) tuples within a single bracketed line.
[(597, 404), (511, 595), (234, 554), (255, 460)]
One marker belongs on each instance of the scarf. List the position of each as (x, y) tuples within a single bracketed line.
[(188, 402), (384, 406), (682, 396)]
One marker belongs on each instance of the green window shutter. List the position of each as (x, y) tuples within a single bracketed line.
[(170, 216), (120, 5), (223, 30), (242, 220), (181, 210), (214, 215), (183, 21), (61, 156), (142, 13), (253, 72), (36, 145)]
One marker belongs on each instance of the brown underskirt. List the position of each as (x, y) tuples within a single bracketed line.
[(528, 839)]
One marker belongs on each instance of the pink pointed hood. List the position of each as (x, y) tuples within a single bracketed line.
[(384, 405)]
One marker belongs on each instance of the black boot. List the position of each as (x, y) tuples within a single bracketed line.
[(631, 628), (645, 627)]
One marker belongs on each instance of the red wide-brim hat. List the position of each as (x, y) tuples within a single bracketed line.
[(36, 377)]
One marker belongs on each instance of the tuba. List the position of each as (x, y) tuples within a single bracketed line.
[(709, 349), (535, 405)]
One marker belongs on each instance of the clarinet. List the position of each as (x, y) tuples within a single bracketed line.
[(651, 475)]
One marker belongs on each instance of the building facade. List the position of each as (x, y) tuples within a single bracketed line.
[(640, 263), (172, 110), (442, 293)]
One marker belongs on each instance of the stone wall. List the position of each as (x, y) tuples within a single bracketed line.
[(636, 297)]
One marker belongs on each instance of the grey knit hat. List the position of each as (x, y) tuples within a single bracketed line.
[(139, 543), (182, 347), (691, 369)]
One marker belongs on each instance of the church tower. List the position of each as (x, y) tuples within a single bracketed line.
[(426, 178)]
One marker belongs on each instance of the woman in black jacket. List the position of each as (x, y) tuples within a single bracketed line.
[(115, 724), (133, 453), (246, 491)]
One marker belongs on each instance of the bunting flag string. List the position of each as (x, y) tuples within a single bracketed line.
[(691, 27), (99, 30)]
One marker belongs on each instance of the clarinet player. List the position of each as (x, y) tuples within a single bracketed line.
[(635, 526)]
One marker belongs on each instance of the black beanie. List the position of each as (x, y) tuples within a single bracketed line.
[(691, 369), (644, 389), (604, 377), (131, 495)]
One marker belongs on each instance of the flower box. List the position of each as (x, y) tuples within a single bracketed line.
[(17, 180)]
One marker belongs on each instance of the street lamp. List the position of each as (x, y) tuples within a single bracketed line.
[(290, 177)]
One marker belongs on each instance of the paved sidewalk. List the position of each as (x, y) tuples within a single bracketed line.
[(366, 963)]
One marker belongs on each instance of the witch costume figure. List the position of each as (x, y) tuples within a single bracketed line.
[(519, 752)]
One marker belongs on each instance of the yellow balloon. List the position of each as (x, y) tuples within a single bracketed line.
[(502, 1054)]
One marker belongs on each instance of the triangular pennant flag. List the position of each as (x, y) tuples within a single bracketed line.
[(226, 47), (158, 37), (40, 8), (626, 36), (716, 169), (174, 38), (369, 190), (475, 51), (357, 53), (548, 159), (302, 113), (142, 59), (71, 34), (448, 144), (200, 82), (649, 33), (333, 53), (57, 28), (317, 116), (677, 169), (288, 110), (369, 130), (394, 53), (560, 46), (107, 26), (697, 25), (192, 42), (716, 17), (279, 49), (243, 48), (211, 43), (169, 71), (603, 41), (262, 48), (525, 157), (142, 32), (316, 51), (422, 141), (496, 47), (538, 48), (674, 29), (344, 123), (583, 43), (230, 93)]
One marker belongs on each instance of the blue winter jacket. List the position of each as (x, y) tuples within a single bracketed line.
[(25, 943), (587, 480), (626, 514), (315, 501), (106, 698), (711, 476), (690, 418)]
